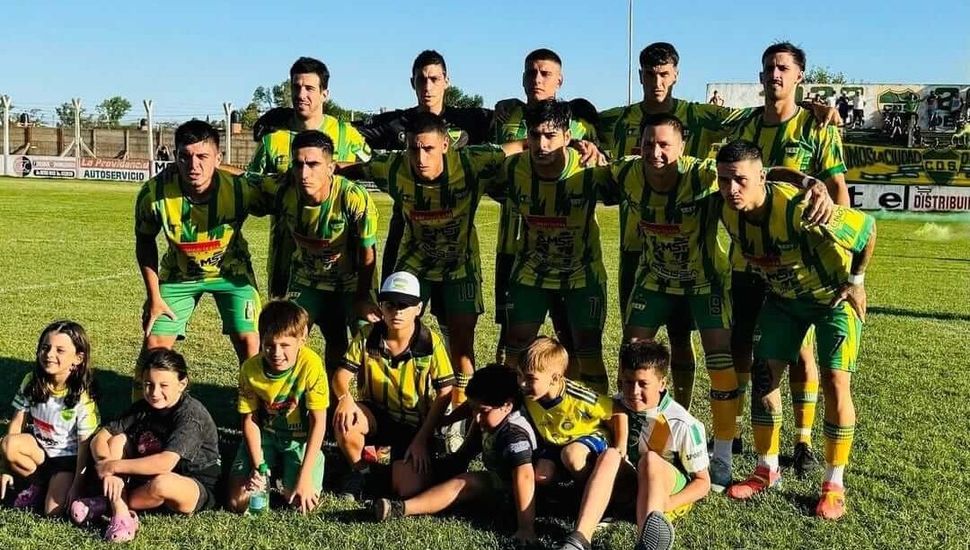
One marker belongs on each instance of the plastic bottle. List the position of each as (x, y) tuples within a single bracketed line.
[(259, 500)]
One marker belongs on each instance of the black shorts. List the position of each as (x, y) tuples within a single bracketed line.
[(503, 275), (389, 431), (205, 480), (56, 464)]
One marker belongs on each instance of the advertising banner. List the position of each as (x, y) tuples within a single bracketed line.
[(35, 166), (913, 198), (899, 165), (135, 171)]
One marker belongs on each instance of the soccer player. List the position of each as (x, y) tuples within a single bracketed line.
[(507, 444), (438, 190), (683, 266), (283, 399), (386, 131), (541, 80), (404, 383), (309, 81), (558, 260), (201, 211), (788, 136), (333, 223), (619, 130), (814, 275)]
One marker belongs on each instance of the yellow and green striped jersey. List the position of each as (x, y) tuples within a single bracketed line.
[(560, 243), (329, 235), (620, 129), (577, 412), (681, 252), (513, 128), (440, 240), (798, 261), (272, 155), (404, 386), (205, 240), (796, 143)]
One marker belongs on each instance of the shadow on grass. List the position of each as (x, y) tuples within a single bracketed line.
[(936, 315)]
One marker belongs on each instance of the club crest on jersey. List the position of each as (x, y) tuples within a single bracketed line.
[(281, 162), (67, 415)]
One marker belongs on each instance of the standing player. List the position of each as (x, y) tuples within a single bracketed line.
[(200, 210), (814, 275), (334, 226), (788, 136), (541, 80), (438, 190), (309, 79), (559, 260), (386, 131)]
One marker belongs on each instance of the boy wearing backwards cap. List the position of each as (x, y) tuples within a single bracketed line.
[(404, 380)]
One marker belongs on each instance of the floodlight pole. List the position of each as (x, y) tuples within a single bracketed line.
[(227, 107), (629, 55), (5, 103), (151, 137), (77, 130)]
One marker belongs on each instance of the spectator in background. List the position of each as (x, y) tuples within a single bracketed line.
[(162, 153), (931, 107), (842, 104), (716, 99), (956, 107), (858, 110)]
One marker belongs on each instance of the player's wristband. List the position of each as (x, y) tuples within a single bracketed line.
[(857, 279)]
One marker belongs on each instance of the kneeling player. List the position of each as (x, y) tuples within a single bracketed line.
[(507, 445)]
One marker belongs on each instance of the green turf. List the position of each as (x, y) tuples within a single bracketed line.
[(67, 252)]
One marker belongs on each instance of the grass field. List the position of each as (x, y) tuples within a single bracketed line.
[(67, 252)]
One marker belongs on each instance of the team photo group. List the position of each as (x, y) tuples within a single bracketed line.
[(733, 222)]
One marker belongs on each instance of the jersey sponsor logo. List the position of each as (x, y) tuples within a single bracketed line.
[(688, 209), (546, 221), (197, 247), (787, 246), (67, 415), (431, 215), (715, 306), (520, 447), (250, 312), (659, 228), (772, 261), (310, 242)]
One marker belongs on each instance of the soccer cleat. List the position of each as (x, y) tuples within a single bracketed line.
[(576, 541), (720, 474), (657, 533), (29, 498), (761, 480), (803, 459), (385, 509), (352, 486), (831, 505)]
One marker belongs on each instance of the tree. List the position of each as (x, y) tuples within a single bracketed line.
[(281, 94), (824, 75), (65, 115), (455, 97), (111, 110)]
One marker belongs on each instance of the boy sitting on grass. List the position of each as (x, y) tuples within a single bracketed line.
[(283, 398), (665, 442), (507, 443)]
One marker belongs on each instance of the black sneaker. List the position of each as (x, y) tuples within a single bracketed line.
[(352, 486), (385, 509), (804, 460), (657, 534), (576, 541)]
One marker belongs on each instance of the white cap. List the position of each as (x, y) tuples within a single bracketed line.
[(401, 286)]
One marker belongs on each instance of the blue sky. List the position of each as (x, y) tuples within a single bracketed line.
[(190, 56)]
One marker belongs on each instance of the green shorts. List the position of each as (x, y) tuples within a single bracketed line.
[(629, 261), (281, 454), (331, 310), (237, 301), (454, 297), (784, 323), (653, 309), (585, 307)]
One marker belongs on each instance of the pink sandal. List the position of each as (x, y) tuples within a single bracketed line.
[(86, 509), (122, 528)]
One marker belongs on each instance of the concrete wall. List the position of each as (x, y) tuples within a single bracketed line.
[(110, 143)]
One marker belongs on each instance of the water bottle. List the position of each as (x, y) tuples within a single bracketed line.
[(259, 500)]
